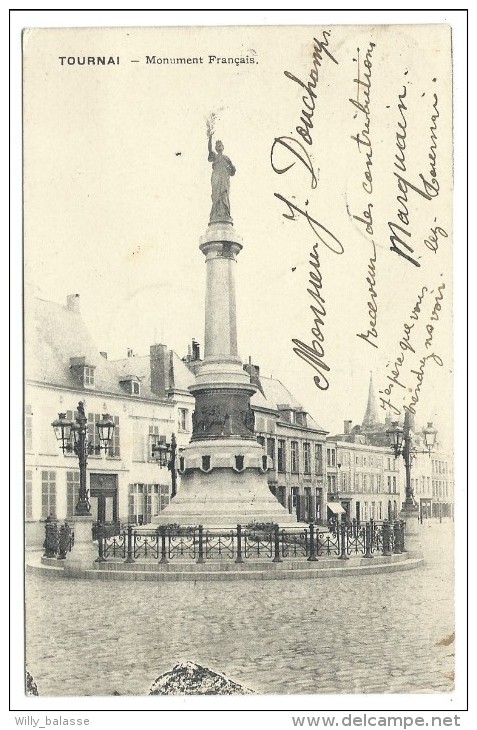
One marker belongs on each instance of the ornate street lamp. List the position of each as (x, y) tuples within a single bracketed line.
[(430, 437), (165, 455), (77, 431), (401, 443)]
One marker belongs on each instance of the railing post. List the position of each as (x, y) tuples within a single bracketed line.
[(130, 558), (276, 541), (397, 538), (312, 556), (402, 533), (200, 558), (51, 538), (239, 558), (100, 558), (367, 541), (163, 545), (63, 540), (386, 539), (344, 534)]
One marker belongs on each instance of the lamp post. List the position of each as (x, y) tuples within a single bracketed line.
[(73, 436), (165, 455), (401, 443)]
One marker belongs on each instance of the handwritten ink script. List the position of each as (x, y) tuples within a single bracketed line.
[(363, 138), (405, 373), (298, 149)]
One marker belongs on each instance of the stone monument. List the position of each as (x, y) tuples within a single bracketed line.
[(224, 469)]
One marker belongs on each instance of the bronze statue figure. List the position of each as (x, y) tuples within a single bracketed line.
[(222, 170)]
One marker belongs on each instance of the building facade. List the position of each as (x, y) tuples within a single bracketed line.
[(295, 444), (147, 397), (371, 483)]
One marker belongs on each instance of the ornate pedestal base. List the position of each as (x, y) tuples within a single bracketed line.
[(412, 539), (84, 550), (224, 483)]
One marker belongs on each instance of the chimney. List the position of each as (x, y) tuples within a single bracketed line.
[(347, 427), (195, 350), (104, 354), (130, 353), (160, 365), (73, 303)]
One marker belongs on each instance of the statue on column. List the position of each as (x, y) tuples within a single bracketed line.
[(222, 170)]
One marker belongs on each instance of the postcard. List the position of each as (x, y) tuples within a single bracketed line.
[(238, 275)]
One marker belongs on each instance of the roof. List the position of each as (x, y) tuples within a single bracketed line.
[(277, 394), (55, 333), (140, 366)]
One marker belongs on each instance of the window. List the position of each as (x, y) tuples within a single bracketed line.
[(281, 455), (48, 493), (380, 515), (394, 485), (379, 484), (331, 482), (389, 484), (331, 457), (154, 440), (156, 497), (365, 461), (318, 504), (294, 457), (365, 511), (138, 440), (114, 450), (28, 494), (183, 420), (306, 458), (271, 449), (371, 482), (345, 481), (318, 459), (88, 377), (93, 436), (146, 501), (356, 482), (72, 491), (373, 510), (294, 495), (136, 503), (28, 429), (261, 441), (365, 482)]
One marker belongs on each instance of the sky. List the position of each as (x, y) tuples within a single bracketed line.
[(117, 196)]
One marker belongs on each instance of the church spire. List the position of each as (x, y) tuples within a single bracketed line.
[(371, 417)]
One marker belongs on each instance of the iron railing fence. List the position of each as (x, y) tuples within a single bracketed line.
[(173, 543), (59, 539)]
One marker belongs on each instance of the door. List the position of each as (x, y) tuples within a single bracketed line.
[(104, 497), (358, 512)]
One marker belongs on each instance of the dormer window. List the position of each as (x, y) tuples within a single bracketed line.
[(89, 377), (131, 384), (83, 371)]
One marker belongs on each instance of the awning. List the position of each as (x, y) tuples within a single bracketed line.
[(336, 508)]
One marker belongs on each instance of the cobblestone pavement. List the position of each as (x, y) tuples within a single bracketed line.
[(356, 634)]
